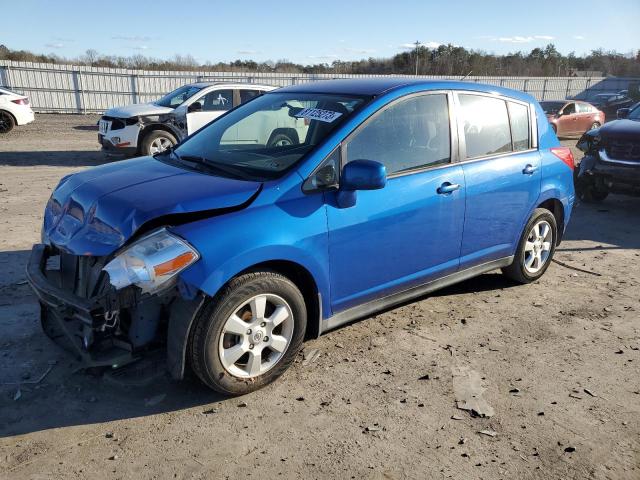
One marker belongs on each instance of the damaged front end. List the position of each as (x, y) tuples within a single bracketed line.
[(611, 164), (111, 311)]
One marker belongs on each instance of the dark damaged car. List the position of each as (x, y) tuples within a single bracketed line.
[(611, 163)]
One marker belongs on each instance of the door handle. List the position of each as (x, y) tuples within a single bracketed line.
[(529, 170), (447, 188)]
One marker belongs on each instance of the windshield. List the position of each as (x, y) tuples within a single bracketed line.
[(551, 108), (634, 114), (178, 96), (263, 138)]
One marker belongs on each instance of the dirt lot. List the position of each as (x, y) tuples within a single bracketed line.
[(559, 360)]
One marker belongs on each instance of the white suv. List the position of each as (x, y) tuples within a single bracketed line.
[(147, 129), (14, 110)]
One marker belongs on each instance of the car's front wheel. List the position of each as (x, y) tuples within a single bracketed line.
[(535, 249), (249, 334), (157, 142)]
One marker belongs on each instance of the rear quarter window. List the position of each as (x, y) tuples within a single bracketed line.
[(519, 119)]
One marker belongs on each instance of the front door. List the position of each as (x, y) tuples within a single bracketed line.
[(502, 175), (212, 105), (568, 121), (410, 231)]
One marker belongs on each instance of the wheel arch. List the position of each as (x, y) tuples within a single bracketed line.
[(15, 120), (150, 128), (557, 209), (292, 132)]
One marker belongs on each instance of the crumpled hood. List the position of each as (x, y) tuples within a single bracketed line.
[(620, 130), (96, 211), (137, 110)]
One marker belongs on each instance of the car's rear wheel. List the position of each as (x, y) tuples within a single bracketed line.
[(594, 125), (157, 142), (249, 334), (535, 249), (280, 140), (7, 122)]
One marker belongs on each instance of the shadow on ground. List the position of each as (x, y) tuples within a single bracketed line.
[(72, 158)]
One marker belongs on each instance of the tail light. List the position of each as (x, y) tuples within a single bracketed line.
[(564, 154), (21, 101)]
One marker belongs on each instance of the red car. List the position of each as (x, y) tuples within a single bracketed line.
[(571, 117)]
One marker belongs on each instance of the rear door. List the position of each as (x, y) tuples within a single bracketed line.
[(568, 121), (585, 116), (213, 104), (410, 231), (502, 174)]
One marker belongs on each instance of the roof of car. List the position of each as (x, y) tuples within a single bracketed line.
[(230, 84), (378, 86)]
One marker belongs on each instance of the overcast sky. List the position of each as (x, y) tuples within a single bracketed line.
[(307, 31)]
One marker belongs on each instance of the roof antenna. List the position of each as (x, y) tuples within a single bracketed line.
[(470, 72)]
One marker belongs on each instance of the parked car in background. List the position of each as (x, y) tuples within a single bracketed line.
[(611, 163), (14, 110), (150, 128), (228, 254), (609, 103), (571, 117)]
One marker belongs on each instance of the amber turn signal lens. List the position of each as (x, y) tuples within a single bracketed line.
[(174, 264)]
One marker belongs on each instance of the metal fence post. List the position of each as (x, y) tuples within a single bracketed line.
[(544, 88), (524, 87), (134, 87), (75, 76), (566, 95)]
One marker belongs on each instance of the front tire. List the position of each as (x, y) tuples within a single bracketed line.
[(249, 334), (535, 249), (156, 142)]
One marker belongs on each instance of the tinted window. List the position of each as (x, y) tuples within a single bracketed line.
[(246, 95), (519, 116), (217, 100), (551, 108), (569, 109), (410, 134), (486, 125)]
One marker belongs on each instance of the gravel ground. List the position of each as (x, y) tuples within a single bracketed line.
[(559, 360)]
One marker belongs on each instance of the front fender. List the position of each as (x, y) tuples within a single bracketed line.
[(287, 229)]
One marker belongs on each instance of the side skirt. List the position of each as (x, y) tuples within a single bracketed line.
[(369, 308)]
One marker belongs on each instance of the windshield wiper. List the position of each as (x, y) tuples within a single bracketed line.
[(210, 164)]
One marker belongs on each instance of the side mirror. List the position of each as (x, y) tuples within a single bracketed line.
[(360, 175), (623, 113), (195, 107), (363, 175)]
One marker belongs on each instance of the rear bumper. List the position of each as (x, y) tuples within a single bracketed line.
[(24, 116)]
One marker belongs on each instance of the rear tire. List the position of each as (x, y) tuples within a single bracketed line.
[(7, 122), (249, 333), (156, 142), (535, 249), (594, 125)]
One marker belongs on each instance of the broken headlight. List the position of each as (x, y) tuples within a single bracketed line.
[(151, 263)]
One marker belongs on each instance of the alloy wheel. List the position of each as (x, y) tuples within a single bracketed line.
[(159, 145), (538, 247), (256, 336), (5, 122)]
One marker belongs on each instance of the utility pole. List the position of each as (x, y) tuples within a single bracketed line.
[(417, 44)]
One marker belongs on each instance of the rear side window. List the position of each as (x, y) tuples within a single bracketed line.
[(217, 100), (411, 134), (584, 108), (486, 125), (519, 117)]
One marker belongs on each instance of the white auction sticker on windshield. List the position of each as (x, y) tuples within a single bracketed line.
[(327, 116)]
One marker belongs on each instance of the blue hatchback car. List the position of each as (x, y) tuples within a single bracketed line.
[(228, 252)]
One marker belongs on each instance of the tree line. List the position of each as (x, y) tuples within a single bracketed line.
[(443, 60)]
